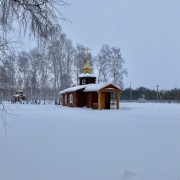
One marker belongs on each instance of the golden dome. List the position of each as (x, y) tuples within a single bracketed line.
[(87, 68)]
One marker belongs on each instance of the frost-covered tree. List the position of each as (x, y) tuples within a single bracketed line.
[(117, 71), (44, 74), (56, 55), (4, 79), (10, 65), (60, 55), (34, 70), (24, 71), (109, 63), (69, 58), (35, 62), (36, 16), (8, 74), (103, 63)]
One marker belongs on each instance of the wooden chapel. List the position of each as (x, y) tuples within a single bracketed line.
[(89, 94)]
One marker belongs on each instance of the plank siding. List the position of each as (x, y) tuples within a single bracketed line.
[(88, 80), (94, 99), (80, 99)]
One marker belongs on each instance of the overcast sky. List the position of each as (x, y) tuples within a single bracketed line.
[(147, 31)]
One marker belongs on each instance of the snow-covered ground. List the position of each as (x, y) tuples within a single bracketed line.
[(138, 142)]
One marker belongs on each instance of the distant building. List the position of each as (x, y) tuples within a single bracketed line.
[(18, 97), (89, 94)]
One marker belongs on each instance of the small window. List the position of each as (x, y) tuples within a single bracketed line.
[(83, 81), (71, 99)]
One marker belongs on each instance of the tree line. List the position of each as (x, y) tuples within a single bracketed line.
[(55, 65), (151, 94)]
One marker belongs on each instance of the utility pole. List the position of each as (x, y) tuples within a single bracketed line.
[(130, 91), (157, 93)]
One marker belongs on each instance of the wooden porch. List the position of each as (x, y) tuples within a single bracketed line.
[(104, 97)]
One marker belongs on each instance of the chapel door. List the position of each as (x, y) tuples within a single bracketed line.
[(107, 100)]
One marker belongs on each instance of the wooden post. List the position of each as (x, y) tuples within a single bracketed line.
[(117, 100), (99, 101)]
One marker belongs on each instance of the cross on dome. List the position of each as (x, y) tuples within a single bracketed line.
[(87, 51), (87, 68)]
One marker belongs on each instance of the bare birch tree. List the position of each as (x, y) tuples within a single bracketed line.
[(110, 65), (24, 70), (36, 16), (60, 55), (117, 71), (103, 63)]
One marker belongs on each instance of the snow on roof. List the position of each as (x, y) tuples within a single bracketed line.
[(19, 90), (87, 88), (95, 87), (72, 89), (16, 95), (87, 75)]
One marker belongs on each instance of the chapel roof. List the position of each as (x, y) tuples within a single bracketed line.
[(88, 88), (72, 89), (87, 75)]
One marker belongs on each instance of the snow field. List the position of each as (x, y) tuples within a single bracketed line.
[(138, 142)]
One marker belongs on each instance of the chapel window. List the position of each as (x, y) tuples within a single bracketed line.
[(71, 99), (83, 81)]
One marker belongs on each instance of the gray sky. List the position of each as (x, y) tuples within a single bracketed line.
[(147, 31)]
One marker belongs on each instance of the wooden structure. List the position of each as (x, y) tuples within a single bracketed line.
[(87, 79), (104, 97), (18, 97), (91, 95)]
